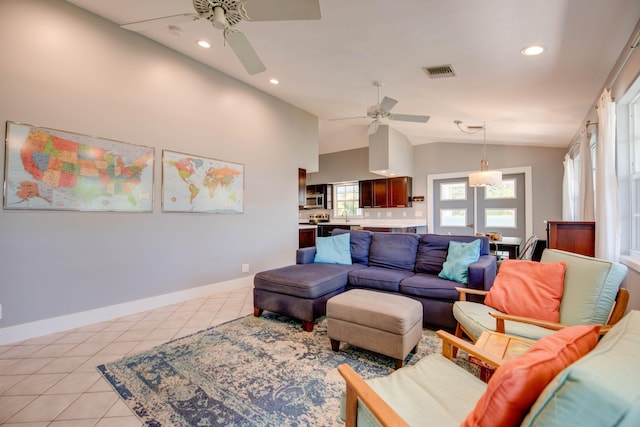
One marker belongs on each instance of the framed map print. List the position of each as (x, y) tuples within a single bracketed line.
[(199, 184), (58, 170)]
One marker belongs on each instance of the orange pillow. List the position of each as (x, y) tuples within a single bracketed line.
[(528, 288), (516, 385)]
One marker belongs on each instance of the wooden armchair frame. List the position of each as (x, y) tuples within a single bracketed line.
[(358, 390)]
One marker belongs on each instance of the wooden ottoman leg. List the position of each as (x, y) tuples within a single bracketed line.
[(335, 344), (307, 326), (257, 311), (399, 363)]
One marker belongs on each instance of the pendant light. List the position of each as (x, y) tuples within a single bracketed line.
[(484, 177)]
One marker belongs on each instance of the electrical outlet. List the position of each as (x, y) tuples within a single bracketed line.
[(404, 214), (379, 214), (0, 311), (418, 214), (245, 268), (389, 214), (366, 214)]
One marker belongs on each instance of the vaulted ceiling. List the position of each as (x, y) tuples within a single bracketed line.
[(327, 66)]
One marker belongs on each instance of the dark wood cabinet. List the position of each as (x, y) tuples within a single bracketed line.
[(319, 196), (400, 190), (306, 237), (386, 192), (302, 187), (572, 236), (325, 230)]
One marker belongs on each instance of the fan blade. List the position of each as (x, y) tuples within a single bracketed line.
[(409, 118), (167, 20), (387, 104), (373, 127), (282, 10), (243, 50), (349, 118)]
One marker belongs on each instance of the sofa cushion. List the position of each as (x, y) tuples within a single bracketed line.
[(515, 385), (485, 248), (459, 256), (590, 287), (429, 286), (601, 389), (393, 250), (384, 279), (333, 249), (529, 289), (304, 280), (360, 242), (431, 256)]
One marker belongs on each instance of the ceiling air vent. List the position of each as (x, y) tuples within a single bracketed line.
[(439, 71)]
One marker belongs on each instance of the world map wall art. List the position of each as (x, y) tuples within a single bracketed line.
[(198, 184), (57, 170)]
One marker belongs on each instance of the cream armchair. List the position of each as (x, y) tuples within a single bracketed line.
[(591, 295)]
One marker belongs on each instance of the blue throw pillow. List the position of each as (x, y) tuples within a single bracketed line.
[(459, 257), (333, 249)]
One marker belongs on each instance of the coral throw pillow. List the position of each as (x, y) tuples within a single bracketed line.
[(516, 385), (529, 289)]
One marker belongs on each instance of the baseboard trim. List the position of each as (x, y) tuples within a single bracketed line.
[(54, 325)]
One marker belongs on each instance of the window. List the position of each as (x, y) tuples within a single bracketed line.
[(453, 191), (347, 199), (453, 217), (505, 190), (500, 218), (634, 175)]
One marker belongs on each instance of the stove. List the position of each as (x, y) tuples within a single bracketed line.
[(318, 218)]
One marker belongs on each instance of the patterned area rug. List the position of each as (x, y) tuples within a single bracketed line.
[(254, 371)]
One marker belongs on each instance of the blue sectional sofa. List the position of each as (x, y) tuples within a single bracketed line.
[(401, 263)]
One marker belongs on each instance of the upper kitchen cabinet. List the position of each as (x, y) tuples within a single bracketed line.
[(399, 192), (302, 188), (386, 192), (319, 196)]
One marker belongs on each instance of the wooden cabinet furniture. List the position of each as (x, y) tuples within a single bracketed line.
[(572, 236), (319, 196), (302, 188), (325, 230), (386, 192), (399, 192), (306, 237)]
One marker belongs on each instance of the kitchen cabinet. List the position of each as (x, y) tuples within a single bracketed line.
[(302, 188), (392, 229), (325, 230), (572, 236), (386, 192), (306, 237), (319, 196), (399, 192)]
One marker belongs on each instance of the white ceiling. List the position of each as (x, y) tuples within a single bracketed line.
[(327, 67)]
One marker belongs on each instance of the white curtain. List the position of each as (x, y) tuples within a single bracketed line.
[(585, 209), (607, 207), (568, 190)]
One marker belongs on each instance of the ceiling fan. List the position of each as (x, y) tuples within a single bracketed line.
[(225, 14), (382, 110)]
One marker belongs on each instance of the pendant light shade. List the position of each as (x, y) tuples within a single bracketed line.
[(484, 177)]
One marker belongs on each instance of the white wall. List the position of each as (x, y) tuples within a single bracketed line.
[(67, 69)]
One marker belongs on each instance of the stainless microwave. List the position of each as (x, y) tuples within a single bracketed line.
[(315, 201)]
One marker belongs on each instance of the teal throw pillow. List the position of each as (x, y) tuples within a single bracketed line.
[(459, 257), (334, 249)]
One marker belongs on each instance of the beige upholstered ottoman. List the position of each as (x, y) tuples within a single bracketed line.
[(385, 323)]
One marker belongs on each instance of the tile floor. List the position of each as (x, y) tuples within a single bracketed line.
[(53, 381)]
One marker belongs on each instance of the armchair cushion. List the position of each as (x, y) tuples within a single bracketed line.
[(515, 386), (590, 287), (459, 257), (527, 288), (599, 389)]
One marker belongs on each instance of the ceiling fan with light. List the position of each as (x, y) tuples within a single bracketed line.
[(382, 110), (226, 14)]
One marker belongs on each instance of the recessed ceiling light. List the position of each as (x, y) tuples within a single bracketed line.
[(274, 81), (532, 50), (203, 43)]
